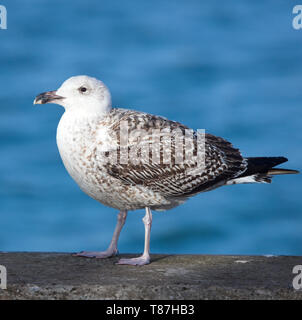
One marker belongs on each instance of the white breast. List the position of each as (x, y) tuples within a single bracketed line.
[(77, 141)]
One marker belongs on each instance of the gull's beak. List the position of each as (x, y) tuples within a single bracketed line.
[(47, 97)]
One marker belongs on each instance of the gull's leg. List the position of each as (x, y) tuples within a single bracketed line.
[(112, 249), (145, 258)]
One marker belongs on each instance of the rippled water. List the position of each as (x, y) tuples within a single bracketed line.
[(232, 68)]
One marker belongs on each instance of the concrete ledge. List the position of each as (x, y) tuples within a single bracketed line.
[(63, 276)]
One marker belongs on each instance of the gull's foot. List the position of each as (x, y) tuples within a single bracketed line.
[(96, 254), (140, 261)]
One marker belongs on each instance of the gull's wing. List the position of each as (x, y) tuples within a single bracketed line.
[(221, 161)]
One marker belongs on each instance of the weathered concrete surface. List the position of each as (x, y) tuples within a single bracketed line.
[(63, 276)]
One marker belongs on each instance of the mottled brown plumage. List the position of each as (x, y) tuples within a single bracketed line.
[(222, 160)]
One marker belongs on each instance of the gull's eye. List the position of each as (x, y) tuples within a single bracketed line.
[(82, 89)]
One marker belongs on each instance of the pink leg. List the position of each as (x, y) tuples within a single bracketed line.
[(145, 257), (112, 249)]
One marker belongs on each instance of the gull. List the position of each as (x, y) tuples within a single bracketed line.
[(104, 151)]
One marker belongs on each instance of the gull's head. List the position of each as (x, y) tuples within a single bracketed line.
[(81, 94)]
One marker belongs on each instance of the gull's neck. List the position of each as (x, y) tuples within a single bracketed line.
[(78, 114)]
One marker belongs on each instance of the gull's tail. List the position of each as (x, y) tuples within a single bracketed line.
[(261, 169)]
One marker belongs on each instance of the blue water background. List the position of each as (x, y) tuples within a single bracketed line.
[(231, 67)]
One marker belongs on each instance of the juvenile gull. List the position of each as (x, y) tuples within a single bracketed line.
[(89, 140)]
